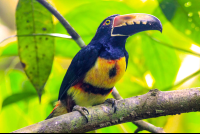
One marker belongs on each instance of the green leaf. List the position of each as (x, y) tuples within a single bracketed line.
[(153, 57), (18, 97), (16, 78), (87, 25), (162, 62), (169, 8), (66, 48), (9, 49), (190, 122), (184, 16), (19, 86), (60, 5), (36, 52)]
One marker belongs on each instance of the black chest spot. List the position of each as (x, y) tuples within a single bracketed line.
[(112, 72)]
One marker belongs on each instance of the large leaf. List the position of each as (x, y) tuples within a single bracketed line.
[(19, 88), (151, 56), (14, 98), (36, 52), (87, 25), (60, 5), (184, 15), (159, 60)]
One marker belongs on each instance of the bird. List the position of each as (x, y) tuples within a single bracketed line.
[(96, 68)]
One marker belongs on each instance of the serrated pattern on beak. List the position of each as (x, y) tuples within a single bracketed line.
[(132, 23), (144, 22)]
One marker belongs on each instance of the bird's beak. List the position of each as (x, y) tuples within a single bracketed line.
[(126, 25)]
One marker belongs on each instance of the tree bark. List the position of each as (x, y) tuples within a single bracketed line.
[(155, 103)]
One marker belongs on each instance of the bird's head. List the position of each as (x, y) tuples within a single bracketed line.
[(127, 25)]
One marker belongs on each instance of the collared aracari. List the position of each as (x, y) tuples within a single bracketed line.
[(96, 68)]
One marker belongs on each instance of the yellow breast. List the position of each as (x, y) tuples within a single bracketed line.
[(85, 99), (105, 73)]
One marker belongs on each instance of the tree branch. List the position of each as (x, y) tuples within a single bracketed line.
[(155, 103), (142, 125), (64, 22)]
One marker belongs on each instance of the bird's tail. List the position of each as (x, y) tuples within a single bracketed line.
[(59, 109)]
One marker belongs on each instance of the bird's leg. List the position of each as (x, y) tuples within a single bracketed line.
[(81, 110), (113, 102)]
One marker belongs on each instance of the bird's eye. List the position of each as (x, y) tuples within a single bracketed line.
[(107, 22)]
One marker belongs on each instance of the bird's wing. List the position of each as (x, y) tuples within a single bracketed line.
[(126, 56), (81, 63)]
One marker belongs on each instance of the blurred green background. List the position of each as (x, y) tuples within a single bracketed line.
[(167, 61)]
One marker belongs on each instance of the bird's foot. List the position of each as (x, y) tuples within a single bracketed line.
[(81, 110), (113, 102)]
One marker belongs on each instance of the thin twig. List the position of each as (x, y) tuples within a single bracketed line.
[(64, 22), (138, 130), (142, 125)]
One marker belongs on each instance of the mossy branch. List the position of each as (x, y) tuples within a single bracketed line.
[(155, 103), (142, 125)]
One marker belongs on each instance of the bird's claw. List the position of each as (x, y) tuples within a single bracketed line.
[(81, 110), (113, 102), (85, 109)]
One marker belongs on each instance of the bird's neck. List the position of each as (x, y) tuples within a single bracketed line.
[(114, 47)]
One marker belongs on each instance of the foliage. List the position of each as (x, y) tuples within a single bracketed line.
[(36, 52), (152, 55)]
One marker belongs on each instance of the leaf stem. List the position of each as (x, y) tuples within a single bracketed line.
[(39, 34), (182, 81), (173, 47)]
